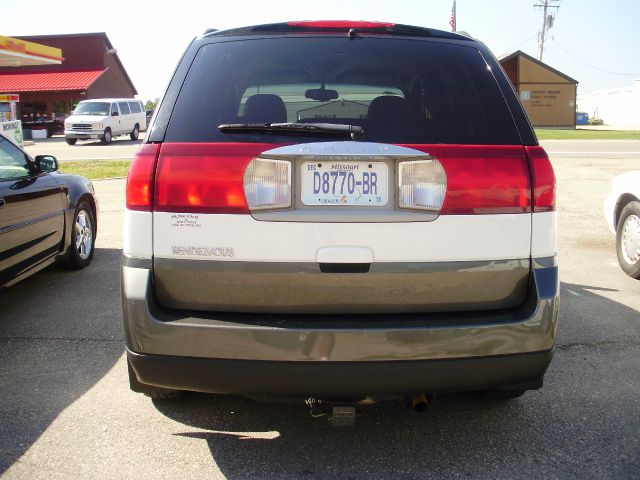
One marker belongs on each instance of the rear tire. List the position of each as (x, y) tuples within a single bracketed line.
[(628, 239), (107, 137), (71, 141), (135, 133)]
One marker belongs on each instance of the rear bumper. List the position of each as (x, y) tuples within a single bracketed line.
[(287, 354), (251, 377)]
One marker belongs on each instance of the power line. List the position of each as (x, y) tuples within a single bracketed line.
[(590, 65), (523, 42)]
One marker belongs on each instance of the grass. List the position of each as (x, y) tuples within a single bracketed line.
[(100, 169), (97, 169), (584, 134)]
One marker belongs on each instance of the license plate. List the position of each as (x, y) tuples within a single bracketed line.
[(345, 183)]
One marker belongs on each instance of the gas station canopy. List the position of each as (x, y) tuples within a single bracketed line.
[(19, 53)]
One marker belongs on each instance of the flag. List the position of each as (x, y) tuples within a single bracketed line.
[(452, 20)]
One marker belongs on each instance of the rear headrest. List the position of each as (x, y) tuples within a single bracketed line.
[(388, 107), (388, 119), (265, 108)]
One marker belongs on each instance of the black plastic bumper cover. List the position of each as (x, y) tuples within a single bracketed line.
[(252, 377)]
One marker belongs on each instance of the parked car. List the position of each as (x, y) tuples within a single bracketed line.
[(339, 210), (45, 215), (104, 119), (622, 211)]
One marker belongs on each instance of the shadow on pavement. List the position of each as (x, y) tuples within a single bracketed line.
[(59, 139), (60, 333), (124, 140), (579, 425)]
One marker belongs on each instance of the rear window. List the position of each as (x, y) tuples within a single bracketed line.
[(399, 90)]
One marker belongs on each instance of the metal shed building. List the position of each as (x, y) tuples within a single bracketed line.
[(548, 95)]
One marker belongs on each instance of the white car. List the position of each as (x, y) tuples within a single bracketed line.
[(104, 119), (622, 211)]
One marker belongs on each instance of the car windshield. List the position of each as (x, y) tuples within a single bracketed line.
[(438, 93), (92, 108)]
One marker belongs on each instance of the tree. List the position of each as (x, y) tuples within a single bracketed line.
[(151, 104)]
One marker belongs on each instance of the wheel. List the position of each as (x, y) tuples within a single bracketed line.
[(628, 239), (501, 395), (71, 141), (83, 237), (134, 134), (107, 137), (155, 393)]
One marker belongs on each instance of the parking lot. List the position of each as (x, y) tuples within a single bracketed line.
[(67, 412), (122, 148)]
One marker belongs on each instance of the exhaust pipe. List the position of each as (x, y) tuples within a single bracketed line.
[(420, 402)]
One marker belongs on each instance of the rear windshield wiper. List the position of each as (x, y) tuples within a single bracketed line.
[(305, 129)]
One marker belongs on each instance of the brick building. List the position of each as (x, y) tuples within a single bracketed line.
[(90, 69)]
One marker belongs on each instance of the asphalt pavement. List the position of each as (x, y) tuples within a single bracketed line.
[(66, 410), (121, 148)]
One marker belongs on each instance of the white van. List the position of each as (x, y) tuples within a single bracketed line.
[(105, 118)]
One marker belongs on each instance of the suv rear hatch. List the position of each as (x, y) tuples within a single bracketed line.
[(431, 211)]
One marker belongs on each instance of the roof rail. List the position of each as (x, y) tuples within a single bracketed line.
[(347, 26)]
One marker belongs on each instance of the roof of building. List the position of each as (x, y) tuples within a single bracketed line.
[(520, 53), (103, 35), (48, 81)]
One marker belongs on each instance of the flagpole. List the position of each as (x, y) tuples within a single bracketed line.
[(453, 19)]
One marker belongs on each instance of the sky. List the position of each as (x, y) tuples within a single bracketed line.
[(593, 41)]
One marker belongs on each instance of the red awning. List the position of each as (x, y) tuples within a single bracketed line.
[(48, 81)]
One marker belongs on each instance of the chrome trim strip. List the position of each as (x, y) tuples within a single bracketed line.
[(343, 150)]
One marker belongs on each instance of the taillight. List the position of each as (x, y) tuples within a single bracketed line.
[(483, 179), (267, 184), (189, 181), (543, 180), (422, 185), (340, 24), (140, 178)]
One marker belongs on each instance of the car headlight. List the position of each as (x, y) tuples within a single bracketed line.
[(67, 125), (97, 125)]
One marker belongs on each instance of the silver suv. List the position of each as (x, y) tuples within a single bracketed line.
[(339, 209)]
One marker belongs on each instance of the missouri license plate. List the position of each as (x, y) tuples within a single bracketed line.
[(345, 183)]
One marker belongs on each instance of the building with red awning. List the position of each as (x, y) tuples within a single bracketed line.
[(49, 92)]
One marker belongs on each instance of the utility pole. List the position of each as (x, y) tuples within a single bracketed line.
[(547, 22)]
